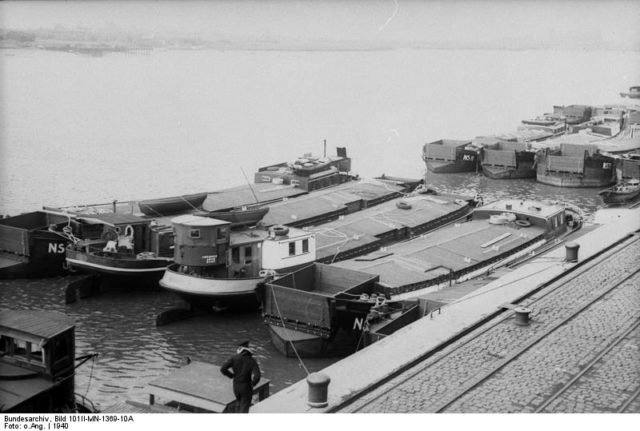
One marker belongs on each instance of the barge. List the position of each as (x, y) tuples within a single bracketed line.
[(216, 264), (33, 244), (129, 247), (450, 156), (495, 235), (509, 160), (575, 165)]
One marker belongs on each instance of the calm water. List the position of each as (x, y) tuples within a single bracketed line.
[(78, 129)]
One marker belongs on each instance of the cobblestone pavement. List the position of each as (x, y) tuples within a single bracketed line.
[(608, 385), (523, 386)]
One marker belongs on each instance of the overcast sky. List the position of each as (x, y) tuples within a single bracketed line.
[(369, 20)]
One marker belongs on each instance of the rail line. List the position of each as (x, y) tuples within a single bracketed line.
[(621, 335), (478, 381), (543, 293)]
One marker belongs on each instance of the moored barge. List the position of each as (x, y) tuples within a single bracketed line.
[(33, 244), (450, 156), (496, 234), (575, 165), (129, 248), (219, 265)]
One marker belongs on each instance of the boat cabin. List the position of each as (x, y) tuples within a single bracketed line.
[(200, 388), (127, 234), (308, 172), (550, 217), (37, 354), (209, 247)]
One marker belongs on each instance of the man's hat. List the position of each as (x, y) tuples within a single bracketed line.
[(244, 346)]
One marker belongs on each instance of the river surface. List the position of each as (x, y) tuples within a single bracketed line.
[(78, 129)]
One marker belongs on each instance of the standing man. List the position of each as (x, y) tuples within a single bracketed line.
[(245, 375)]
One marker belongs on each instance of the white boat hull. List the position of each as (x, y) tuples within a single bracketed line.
[(205, 292)]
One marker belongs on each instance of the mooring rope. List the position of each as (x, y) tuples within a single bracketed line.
[(93, 361)]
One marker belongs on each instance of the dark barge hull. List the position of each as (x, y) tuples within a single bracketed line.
[(46, 258), (465, 161), (596, 171), (524, 168), (291, 343)]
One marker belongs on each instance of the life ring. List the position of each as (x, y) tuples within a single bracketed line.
[(403, 205), (279, 230), (461, 202), (128, 231), (523, 223)]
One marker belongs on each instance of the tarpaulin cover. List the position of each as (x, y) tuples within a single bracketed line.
[(565, 164)]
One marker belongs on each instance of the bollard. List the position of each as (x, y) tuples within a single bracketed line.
[(572, 251), (522, 316), (318, 389)]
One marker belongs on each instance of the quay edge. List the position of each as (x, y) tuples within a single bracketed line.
[(354, 376)]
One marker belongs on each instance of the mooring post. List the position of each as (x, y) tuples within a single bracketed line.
[(318, 389)]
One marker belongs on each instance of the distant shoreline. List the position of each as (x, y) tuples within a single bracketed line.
[(106, 48)]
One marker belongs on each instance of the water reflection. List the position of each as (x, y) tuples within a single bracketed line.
[(120, 326)]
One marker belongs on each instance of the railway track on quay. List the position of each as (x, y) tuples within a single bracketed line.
[(579, 353)]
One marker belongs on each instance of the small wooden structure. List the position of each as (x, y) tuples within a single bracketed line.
[(200, 388), (37, 354)]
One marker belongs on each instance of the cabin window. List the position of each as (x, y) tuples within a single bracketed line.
[(5, 345), (305, 246), (20, 347), (235, 255), (555, 222), (247, 255), (22, 350), (194, 233), (561, 217), (292, 249)]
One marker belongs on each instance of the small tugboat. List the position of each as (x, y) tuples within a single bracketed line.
[(33, 244), (338, 304), (449, 156), (622, 192), (37, 363), (633, 93), (130, 247), (308, 172), (215, 265), (575, 165)]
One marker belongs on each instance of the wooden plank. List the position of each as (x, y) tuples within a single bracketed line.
[(495, 240)]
